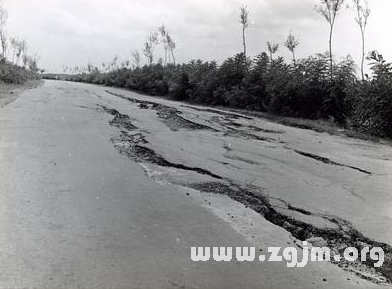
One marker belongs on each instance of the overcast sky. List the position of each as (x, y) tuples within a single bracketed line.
[(73, 32)]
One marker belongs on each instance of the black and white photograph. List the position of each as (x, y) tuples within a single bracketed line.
[(195, 144)]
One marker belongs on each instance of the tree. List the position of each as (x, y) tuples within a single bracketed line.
[(164, 33), (3, 43), (24, 53), (14, 44), (272, 48), (32, 63), (90, 67), (3, 37), (380, 67), (3, 15), (168, 44), (362, 14), (136, 58), (244, 20), (113, 64), (171, 45), (329, 9), (149, 47), (179, 90), (291, 43), (21, 49)]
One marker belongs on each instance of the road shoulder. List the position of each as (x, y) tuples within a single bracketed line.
[(9, 92)]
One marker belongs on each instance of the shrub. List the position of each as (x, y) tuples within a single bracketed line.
[(372, 109), (301, 89), (10, 73)]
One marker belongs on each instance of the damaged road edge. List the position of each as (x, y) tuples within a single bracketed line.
[(337, 239), (133, 144)]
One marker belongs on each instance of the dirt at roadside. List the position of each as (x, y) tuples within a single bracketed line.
[(9, 92)]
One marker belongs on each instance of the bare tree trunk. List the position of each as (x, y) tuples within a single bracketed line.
[(363, 55), (293, 56), (174, 59), (243, 40), (330, 52), (3, 39)]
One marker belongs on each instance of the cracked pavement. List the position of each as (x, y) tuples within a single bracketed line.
[(106, 188)]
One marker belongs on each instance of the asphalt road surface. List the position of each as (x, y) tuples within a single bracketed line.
[(106, 188)]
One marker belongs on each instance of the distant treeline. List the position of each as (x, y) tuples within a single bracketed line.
[(302, 88)]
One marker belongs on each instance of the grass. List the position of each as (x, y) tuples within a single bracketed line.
[(14, 79), (323, 126), (9, 92)]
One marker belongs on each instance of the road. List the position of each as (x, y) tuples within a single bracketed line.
[(106, 188)]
